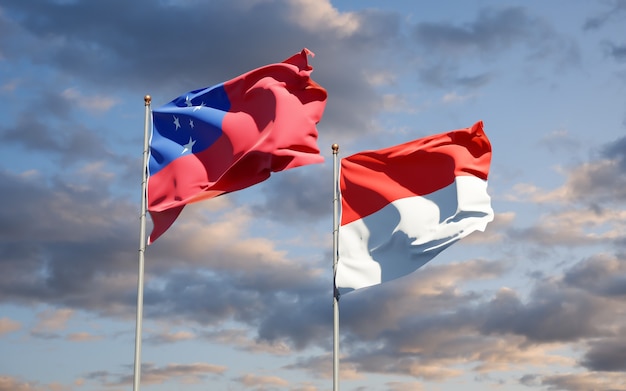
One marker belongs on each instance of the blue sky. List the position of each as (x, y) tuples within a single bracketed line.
[(238, 291)]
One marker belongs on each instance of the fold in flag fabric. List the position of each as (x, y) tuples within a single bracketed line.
[(403, 205), (233, 135)]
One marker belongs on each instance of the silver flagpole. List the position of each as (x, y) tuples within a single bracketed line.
[(142, 245), (335, 148)]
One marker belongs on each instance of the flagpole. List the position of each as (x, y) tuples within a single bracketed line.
[(335, 148), (142, 245)]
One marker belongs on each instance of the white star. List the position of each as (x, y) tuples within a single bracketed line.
[(188, 101), (188, 146), (196, 108), (191, 123), (176, 122)]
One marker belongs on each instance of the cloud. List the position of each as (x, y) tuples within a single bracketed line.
[(439, 325), (597, 181), (616, 151), (70, 143), (494, 30), (9, 383), (453, 97), (574, 227), (83, 337), (197, 260), (617, 52), (89, 50), (584, 381), (408, 386), (8, 325), (602, 275), (299, 197), (96, 104), (241, 339), (170, 337), (589, 182), (250, 271), (608, 355), (559, 140), (598, 21), (193, 372), (554, 314), (311, 14), (321, 366), (53, 320), (256, 381), (84, 242), (153, 374)]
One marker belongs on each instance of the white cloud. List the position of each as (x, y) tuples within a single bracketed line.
[(53, 320), (8, 325), (93, 103), (315, 14)]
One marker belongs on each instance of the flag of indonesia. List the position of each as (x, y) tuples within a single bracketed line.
[(403, 205), (233, 135)]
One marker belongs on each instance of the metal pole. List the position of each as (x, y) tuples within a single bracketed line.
[(142, 245), (335, 148)]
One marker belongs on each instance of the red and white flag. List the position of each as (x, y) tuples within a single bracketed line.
[(403, 205)]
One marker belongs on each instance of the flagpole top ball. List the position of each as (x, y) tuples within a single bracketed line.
[(147, 99), (335, 148)]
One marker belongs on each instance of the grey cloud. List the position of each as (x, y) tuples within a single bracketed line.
[(582, 382), (475, 81), (85, 253), (617, 52), (153, 374), (455, 327), (68, 142), (616, 150), (606, 355), (560, 141), (299, 196), (299, 313), (540, 237), (597, 183), (407, 305), (79, 266), (530, 380), (553, 314), (443, 74), (207, 297), (494, 30), (110, 41), (76, 252), (43, 335), (304, 323), (598, 21), (144, 46), (600, 275)]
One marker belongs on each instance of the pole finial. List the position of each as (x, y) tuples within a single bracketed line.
[(335, 148), (147, 99)]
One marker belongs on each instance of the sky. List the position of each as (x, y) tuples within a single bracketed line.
[(238, 293)]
